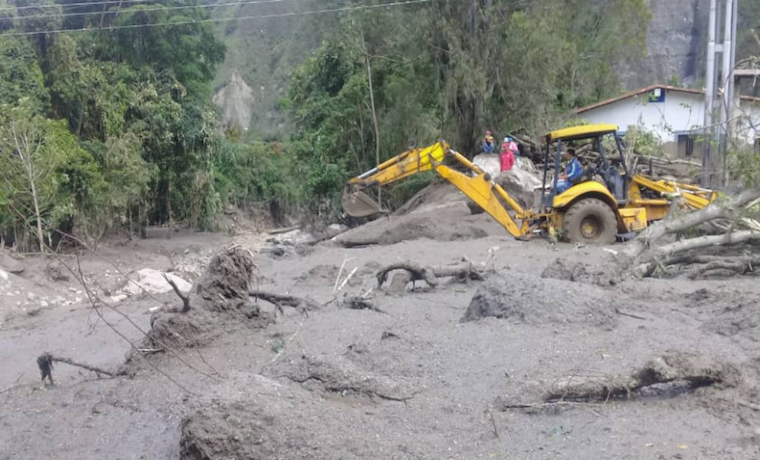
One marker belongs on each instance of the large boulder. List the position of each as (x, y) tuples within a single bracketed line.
[(519, 182)]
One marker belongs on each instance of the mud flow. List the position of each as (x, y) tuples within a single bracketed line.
[(426, 334)]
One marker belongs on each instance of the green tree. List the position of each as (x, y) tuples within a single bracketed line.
[(32, 151), (20, 74)]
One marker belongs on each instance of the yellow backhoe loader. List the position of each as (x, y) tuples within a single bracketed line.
[(609, 201)]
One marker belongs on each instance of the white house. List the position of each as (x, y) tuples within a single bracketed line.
[(674, 115)]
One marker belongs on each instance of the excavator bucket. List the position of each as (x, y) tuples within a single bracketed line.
[(359, 204)]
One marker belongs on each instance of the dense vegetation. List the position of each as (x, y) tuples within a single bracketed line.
[(114, 128)]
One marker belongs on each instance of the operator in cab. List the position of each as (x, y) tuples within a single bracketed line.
[(573, 171)]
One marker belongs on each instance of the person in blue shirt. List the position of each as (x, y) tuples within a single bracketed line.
[(573, 171), (488, 144)]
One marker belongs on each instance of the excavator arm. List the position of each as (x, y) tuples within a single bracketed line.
[(479, 187)]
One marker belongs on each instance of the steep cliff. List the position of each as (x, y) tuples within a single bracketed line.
[(675, 45), (261, 54)]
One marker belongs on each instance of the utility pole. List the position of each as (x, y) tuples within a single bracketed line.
[(707, 150), (727, 86), (716, 135)]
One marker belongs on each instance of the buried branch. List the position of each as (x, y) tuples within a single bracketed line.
[(280, 300), (695, 263), (185, 299), (686, 370), (464, 271), (45, 364)]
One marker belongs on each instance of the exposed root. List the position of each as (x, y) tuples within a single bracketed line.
[(417, 271)]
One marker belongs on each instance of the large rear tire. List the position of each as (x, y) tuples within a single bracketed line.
[(589, 221)]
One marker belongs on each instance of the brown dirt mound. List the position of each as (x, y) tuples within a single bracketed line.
[(241, 430), (223, 288), (530, 300), (395, 229), (228, 278), (434, 196)]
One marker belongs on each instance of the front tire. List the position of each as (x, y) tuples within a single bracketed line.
[(590, 221)]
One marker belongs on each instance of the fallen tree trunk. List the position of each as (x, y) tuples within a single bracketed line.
[(678, 224), (706, 241), (463, 272)]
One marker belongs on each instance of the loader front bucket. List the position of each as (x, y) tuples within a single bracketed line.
[(359, 204)]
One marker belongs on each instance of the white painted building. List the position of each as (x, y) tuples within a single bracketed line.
[(674, 115)]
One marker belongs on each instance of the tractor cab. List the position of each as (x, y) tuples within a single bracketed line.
[(605, 173)]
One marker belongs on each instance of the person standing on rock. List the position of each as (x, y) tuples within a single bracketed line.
[(488, 143), (507, 158)]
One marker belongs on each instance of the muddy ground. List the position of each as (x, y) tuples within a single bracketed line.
[(429, 374)]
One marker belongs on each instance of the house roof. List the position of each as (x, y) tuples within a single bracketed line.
[(648, 89)]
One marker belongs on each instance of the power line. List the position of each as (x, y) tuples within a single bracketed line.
[(162, 8), (67, 5), (216, 20)]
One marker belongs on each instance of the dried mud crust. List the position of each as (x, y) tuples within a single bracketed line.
[(606, 274), (395, 229), (537, 301), (731, 314), (336, 374), (221, 297)]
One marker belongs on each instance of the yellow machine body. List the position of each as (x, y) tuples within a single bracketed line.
[(632, 214)]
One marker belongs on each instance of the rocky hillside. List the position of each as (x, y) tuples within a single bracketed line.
[(675, 45), (263, 52)]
